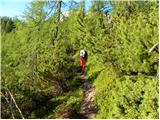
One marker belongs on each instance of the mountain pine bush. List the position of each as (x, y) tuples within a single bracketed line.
[(43, 77)]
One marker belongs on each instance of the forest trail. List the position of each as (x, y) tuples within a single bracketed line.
[(88, 106)]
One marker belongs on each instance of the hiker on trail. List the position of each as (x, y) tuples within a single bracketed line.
[(83, 59)]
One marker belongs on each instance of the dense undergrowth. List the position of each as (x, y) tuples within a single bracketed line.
[(42, 76), (69, 102), (134, 96)]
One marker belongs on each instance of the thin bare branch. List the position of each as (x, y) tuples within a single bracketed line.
[(15, 103), (10, 105), (153, 47)]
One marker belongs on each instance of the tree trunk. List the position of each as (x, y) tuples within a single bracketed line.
[(58, 12)]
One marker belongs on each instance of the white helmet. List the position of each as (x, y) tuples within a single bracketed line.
[(82, 53)]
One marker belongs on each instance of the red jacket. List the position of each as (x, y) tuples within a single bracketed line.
[(82, 61)]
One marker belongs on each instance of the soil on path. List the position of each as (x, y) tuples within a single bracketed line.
[(88, 106)]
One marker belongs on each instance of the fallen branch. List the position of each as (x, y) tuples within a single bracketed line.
[(10, 105), (15, 104), (153, 47)]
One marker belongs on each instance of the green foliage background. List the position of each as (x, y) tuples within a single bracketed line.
[(43, 78)]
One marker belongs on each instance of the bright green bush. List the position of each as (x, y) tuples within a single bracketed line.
[(42, 77), (126, 97), (68, 102)]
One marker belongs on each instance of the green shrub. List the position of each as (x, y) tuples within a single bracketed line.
[(126, 97)]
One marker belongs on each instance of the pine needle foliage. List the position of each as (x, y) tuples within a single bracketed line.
[(43, 77)]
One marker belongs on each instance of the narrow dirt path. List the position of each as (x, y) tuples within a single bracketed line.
[(88, 106)]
